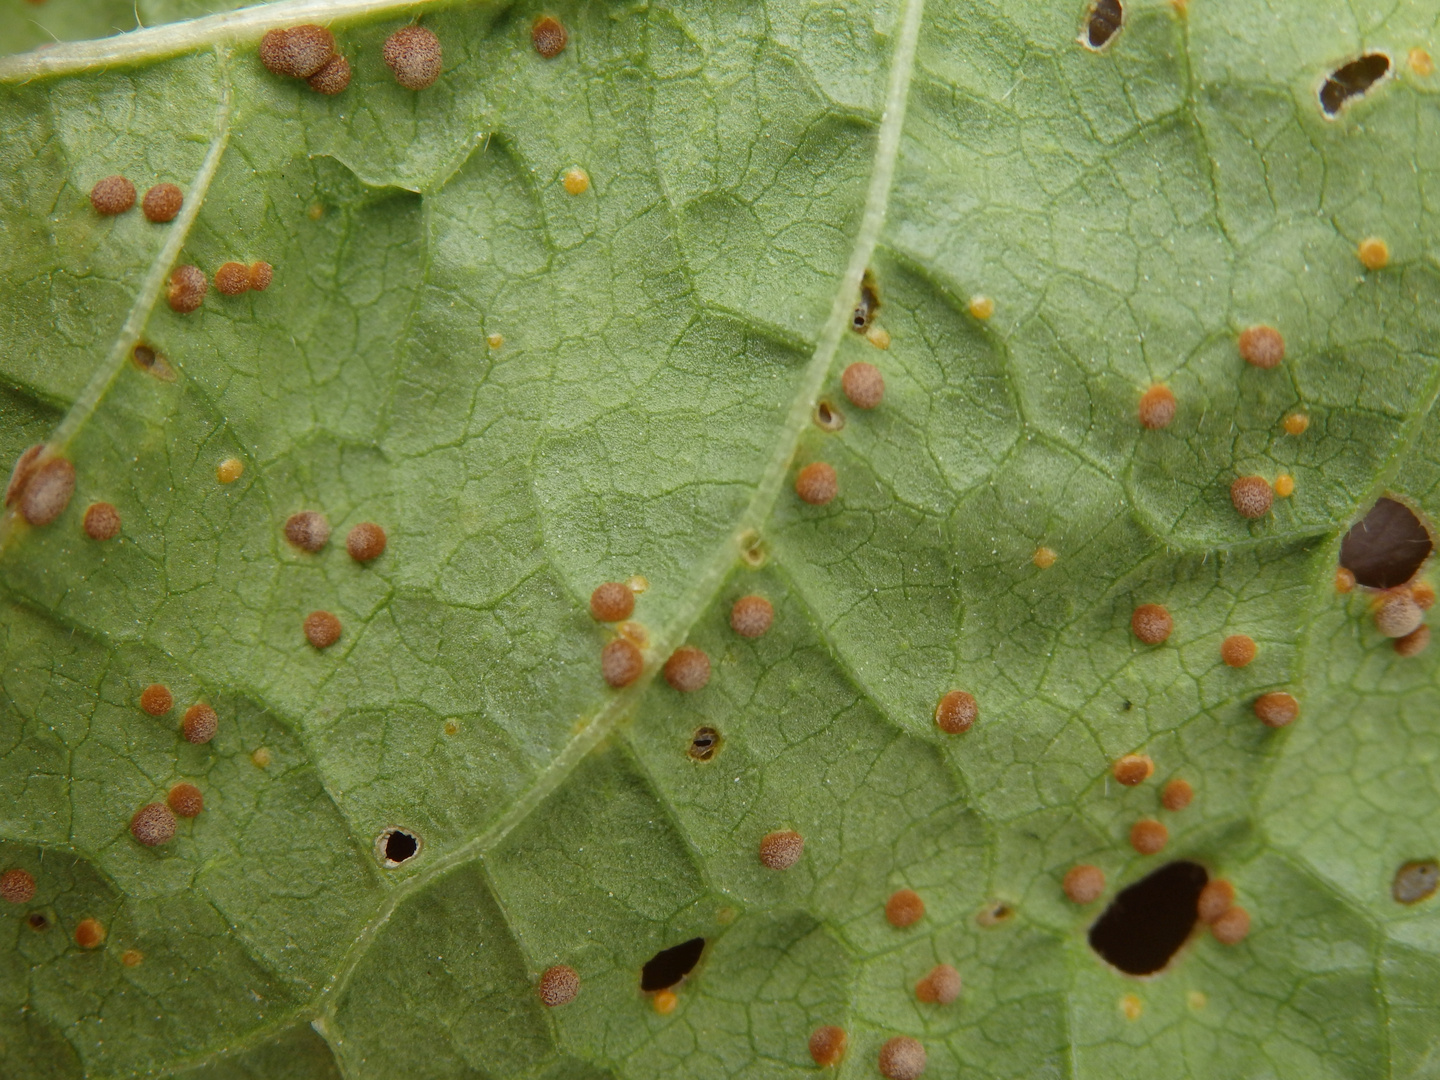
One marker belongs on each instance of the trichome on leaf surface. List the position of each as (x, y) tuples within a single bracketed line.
[(602, 541)]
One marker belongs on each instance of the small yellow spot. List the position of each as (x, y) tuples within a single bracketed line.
[(1284, 485), (726, 915), (131, 957), (451, 728), (665, 1002), (1196, 1000), (495, 340), (637, 584), (1420, 62), (316, 211), (982, 307), (1297, 423), (1131, 1006), (261, 757), (577, 181), (1044, 558), (1182, 7), (878, 336), (636, 633), (229, 470), (1374, 253)]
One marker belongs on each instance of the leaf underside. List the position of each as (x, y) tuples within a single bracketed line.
[(535, 392)]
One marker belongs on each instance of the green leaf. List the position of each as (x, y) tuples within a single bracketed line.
[(535, 392)]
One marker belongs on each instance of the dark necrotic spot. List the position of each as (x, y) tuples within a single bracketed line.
[(37, 921), (1351, 80), (704, 743), (1103, 22), (1147, 923), (668, 966), (1387, 547)]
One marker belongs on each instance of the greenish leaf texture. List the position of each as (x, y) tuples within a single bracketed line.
[(535, 392)]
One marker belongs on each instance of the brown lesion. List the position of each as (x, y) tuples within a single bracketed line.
[(151, 362), (704, 744)]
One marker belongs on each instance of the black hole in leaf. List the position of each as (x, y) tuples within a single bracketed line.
[(144, 356), (400, 845), (1104, 22), (668, 966), (867, 307), (1387, 547), (37, 921), (1352, 80), (1147, 923), (704, 743)]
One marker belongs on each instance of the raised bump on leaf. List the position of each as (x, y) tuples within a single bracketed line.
[(904, 908), (17, 886), (1177, 794), (548, 36), (101, 521), (112, 195), (413, 53), (156, 699), (162, 202), (200, 723), (1084, 884)]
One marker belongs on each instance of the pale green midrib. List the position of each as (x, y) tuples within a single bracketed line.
[(699, 597), (95, 390), (171, 39)]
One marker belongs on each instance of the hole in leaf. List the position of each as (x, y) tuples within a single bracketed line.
[(668, 966), (867, 307), (395, 846), (1103, 22), (37, 921), (704, 743), (1146, 924), (152, 363), (995, 913), (1416, 881), (827, 417), (1351, 80), (752, 549), (1387, 547)]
